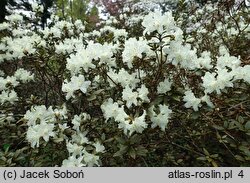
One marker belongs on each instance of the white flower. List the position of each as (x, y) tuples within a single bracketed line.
[(8, 96), (205, 60), (121, 115), (99, 148), (164, 86), (36, 7), (109, 109), (118, 33), (41, 130), (155, 21), (79, 25), (90, 159), (191, 100), (124, 78), (9, 80), (76, 122), (63, 126), (242, 73), (4, 26), (76, 83), (15, 18), (160, 119), (128, 124), (143, 93), (228, 61), (23, 75), (206, 99), (39, 112), (183, 55), (138, 124), (61, 113), (211, 83), (129, 96), (82, 59), (80, 138), (72, 161), (134, 48), (74, 149), (2, 84)]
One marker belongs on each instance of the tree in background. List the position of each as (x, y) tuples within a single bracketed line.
[(85, 10), (46, 14), (111, 7), (3, 10), (26, 6)]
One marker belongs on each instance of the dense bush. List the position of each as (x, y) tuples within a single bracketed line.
[(143, 89)]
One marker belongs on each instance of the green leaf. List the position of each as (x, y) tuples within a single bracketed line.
[(135, 139), (176, 98), (206, 152), (241, 119), (6, 147), (217, 127), (245, 150), (123, 150), (247, 125), (202, 158), (157, 101), (226, 124), (91, 97), (98, 91), (240, 158), (120, 140), (141, 151), (132, 153), (239, 125), (195, 115)]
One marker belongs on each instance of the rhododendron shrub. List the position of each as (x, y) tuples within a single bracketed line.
[(114, 98)]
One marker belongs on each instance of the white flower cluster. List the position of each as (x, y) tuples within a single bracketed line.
[(227, 71), (36, 7), (131, 97), (8, 96), (124, 78), (78, 155), (41, 124), (4, 26), (128, 123), (18, 47), (8, 84), (211, 82), (15, 18), (195, 103), (131, 124), (117, 33), (23, 75), (164, 86), (68, 45), (75, 83), (187, 57), (134, 48), (160, 119), (155, 21), (76, 121), (83, 59)]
